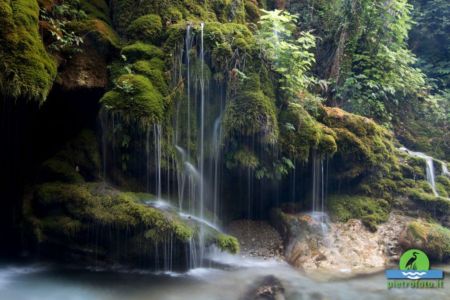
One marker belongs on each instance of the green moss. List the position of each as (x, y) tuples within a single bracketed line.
[(252, 11), (78, 160), (227, 243), (27, 70), (243, 158), (98, 204), (327, 144), (138, 51), (369, 210), (96, 9), (443, 183), (135, 97), (147, 28), (430, 202), (432, 238), (251, 113), (55, 169), (362, 145), (153, 70), (300, 132), (99, 30)]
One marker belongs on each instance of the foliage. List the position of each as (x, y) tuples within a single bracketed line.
[(289, 56), (56, 22), (382, 69), (429, 40)]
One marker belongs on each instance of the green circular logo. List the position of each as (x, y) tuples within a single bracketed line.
[(414, 259)]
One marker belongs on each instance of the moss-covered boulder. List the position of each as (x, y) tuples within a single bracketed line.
[(370, 211), (78, 160), (146, 28), (432, 238), (251, 113), (135, 98), (362, 145), (93, 219), (301, 133), (27, 70)]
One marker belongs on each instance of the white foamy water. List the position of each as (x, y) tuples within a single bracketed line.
[(199, 284)]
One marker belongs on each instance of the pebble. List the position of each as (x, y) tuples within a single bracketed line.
[(267, 245)]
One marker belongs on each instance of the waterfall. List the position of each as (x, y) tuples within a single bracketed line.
[(202, 138), (157, 142), (188, 46), (202, 119), (445, 169), (319, 179), (216, 138), (148, 155), (429, 167)]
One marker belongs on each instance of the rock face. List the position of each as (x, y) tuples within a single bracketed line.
[(267, 288), (86, 69), (338, 249)]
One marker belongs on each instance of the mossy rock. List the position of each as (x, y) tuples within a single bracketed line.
[(147, 28), (251, 113), (99, 31), (97, 203), (369, 210), (153, 70), (135, 97), (437, 205), (362, 145), (300, 133), (227, 243), (432, 238), (96, 9), (244, 158), (79, 160), (27, 70), (443, 185), (139, 50)]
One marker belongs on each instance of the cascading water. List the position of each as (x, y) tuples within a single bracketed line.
[(319, 192), (202, 139), (429, 167), (217, 136), (157, 142), (445, 169)]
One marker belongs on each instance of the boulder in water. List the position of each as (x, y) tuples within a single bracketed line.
[(266, 288)]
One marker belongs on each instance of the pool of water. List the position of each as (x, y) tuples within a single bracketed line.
[(50, 282)]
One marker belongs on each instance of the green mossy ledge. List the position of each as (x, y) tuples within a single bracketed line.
[(27, 70), (370, 211), (172, 11), (73, 215), (432, 238), (135, 97), (362, 145)]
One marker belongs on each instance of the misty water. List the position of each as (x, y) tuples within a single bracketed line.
[(30, 282)]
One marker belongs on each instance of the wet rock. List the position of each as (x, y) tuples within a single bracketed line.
[(266, 288), (338, 249)]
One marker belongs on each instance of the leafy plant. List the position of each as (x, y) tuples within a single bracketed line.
[(58, 20), (287, 52)]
